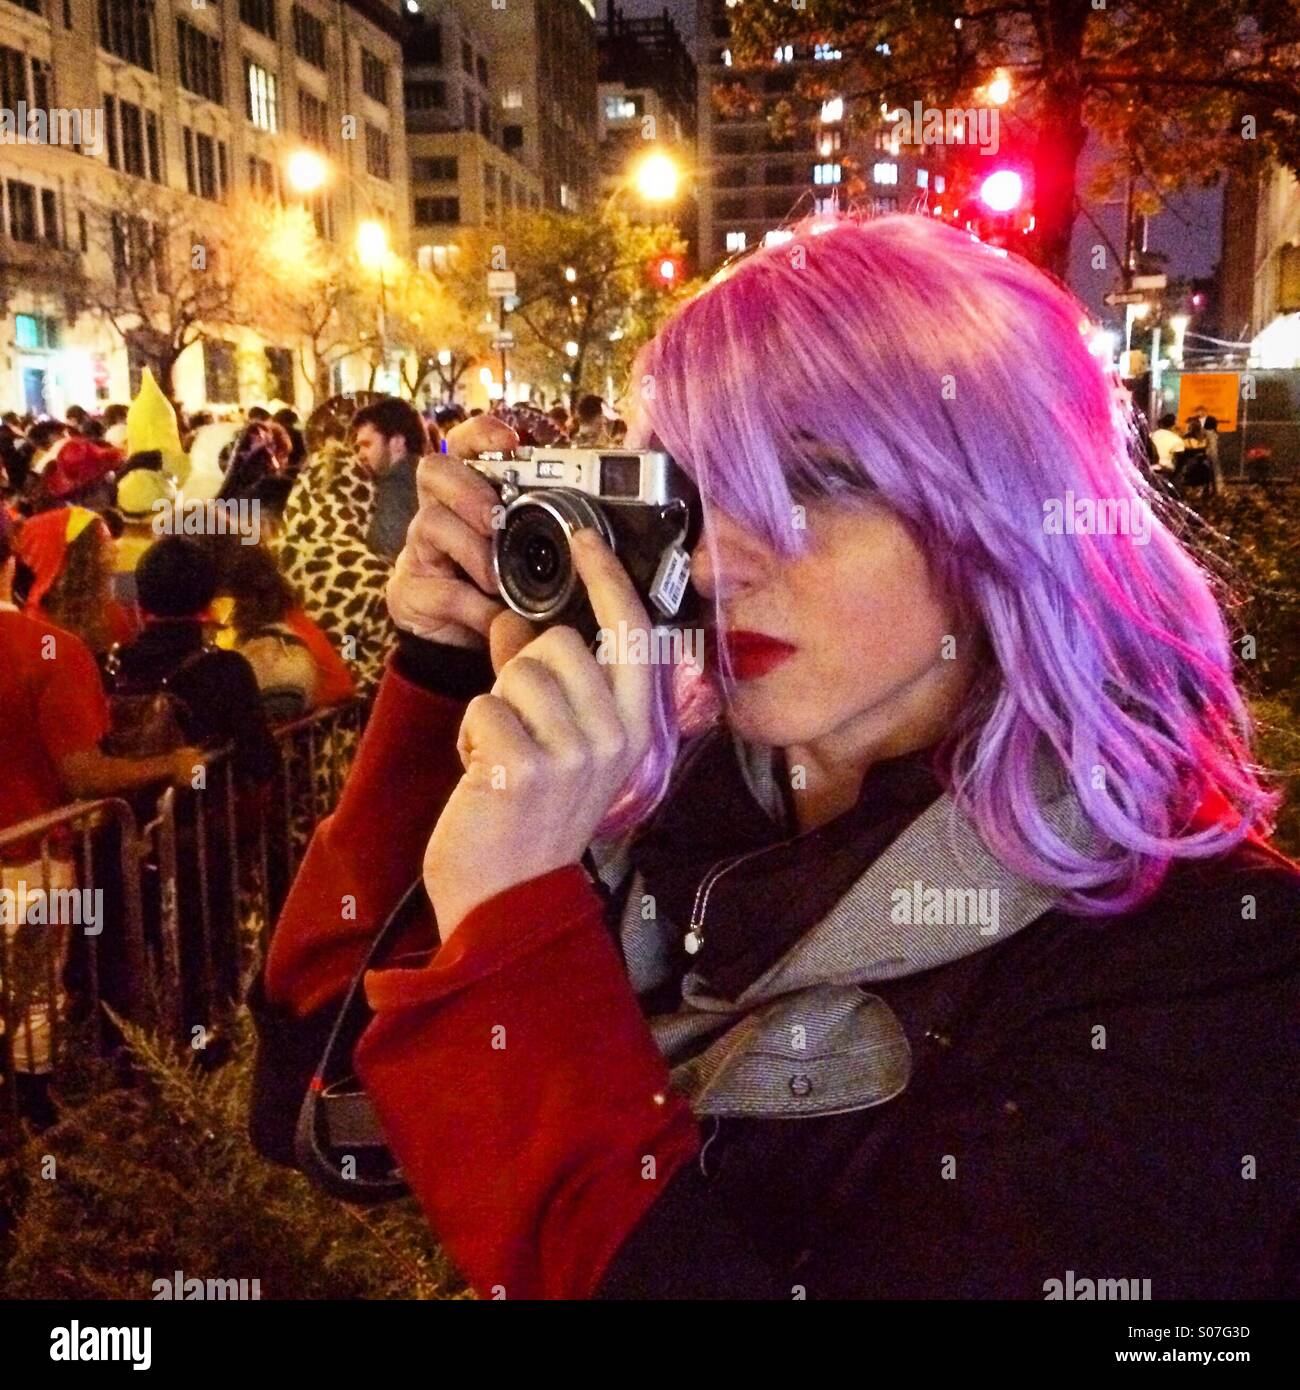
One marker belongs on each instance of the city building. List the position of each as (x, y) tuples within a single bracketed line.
[(647, 99), (752, 183), (458, 115), (1260, 270), (177, 105)]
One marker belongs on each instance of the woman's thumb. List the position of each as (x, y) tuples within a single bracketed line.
[(509, 634)]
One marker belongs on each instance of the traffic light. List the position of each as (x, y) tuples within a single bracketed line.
[(1002, 191), (666, 271)]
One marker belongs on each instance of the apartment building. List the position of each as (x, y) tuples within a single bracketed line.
[(750, 183), (458, 115), (197, 103)]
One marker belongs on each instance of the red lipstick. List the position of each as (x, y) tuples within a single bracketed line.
[(754, 654)]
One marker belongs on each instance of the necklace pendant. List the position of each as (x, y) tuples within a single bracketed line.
[(693, 942)]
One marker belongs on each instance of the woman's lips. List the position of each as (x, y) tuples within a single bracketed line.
[(754, 654)]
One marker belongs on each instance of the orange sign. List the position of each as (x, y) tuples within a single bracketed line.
[(1209, 393)]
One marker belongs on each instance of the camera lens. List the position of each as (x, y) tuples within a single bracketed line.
[(533, 563)]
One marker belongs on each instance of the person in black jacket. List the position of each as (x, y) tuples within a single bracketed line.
[(941, 953), (219, 708)]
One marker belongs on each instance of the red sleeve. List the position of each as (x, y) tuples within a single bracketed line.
[(365, 856), (334, 682), (73, 710), (523, 1094)]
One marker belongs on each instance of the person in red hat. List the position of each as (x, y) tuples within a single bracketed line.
[(53, 712), (79, 471), (69, 554)]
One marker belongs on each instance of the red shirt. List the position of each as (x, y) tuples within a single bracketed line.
[(52, 703)]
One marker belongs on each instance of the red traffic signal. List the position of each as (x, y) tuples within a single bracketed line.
[(666, 271)]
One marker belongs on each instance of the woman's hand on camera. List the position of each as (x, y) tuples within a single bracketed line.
[(545, 754), (453, 527)]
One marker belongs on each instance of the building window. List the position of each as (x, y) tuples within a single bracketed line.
[(132, 140), (467, 57), (263, 103), (735, 241), (374, 77), (484, 119), (784, 53), (23, 224), (423, 43), (205, 165), (35, 331), (200, 61), (126, 30), (429, 210), (426, 96), (826, 52), (481, 65), (440, 167), (884, 173), (220, 380), (512, 138), (620, 107), (279, 374), (512, 100), (376, 152), (923, 178), (940, 183), (50, 217), (826, 173), (832, 110), (828, 143), (261, 176), (313, 119), (308, 37), (259, 15), (824, 207)]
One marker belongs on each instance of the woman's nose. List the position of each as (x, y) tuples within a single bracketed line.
[(735, 561)]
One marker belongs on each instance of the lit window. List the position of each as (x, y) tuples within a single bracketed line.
[(923, 178), (619, 107), (826, 51), (513, 99), (726, 57), (778, 237), (262, 103), (885, 173), (824, 206), (564, 195), (940, 183), (883, 48), (735, 241), (833, 110), (826, 173), (784, 53)]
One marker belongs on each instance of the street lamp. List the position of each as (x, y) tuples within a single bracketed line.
[(657, 176), (999, 89), (306, 170)]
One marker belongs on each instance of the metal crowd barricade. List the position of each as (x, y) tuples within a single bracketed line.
[(226, 856), (35, 996), (193, 895)]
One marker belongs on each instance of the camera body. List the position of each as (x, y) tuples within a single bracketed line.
[(645, 507)]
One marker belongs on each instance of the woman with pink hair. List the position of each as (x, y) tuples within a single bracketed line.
[(930, 943)]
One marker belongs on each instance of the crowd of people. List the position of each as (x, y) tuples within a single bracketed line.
[(139, 635), (1188, 459)]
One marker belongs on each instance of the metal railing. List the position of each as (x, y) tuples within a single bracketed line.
[(185, 885)]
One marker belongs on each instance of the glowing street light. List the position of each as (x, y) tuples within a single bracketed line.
[(1002, 190), (571, 348), (999, 89), (657, 177), (570, 274), (306, 171), (372, 244)]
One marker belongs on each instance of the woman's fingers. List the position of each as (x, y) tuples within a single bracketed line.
[(481, 435), (445, 480), (616, 605), (437, 532), (530, 688), (510, 633), (563, 652), (436, 600), (492, 734)]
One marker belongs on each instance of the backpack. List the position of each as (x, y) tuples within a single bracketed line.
[(284, 669), (145, 722)]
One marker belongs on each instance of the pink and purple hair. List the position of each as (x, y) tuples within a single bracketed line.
[(961, 385)]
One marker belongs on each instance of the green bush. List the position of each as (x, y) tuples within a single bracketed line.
[(160, 1176)]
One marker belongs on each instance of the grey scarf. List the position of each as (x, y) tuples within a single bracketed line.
[(806, 1038)]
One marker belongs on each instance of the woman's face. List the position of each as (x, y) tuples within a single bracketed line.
[(844, 640)]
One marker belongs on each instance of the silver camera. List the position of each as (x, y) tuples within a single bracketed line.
[(639, 500)]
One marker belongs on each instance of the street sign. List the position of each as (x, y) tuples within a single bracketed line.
[(503, 340), (501, 283), (1125, 297), (1150, 282)]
